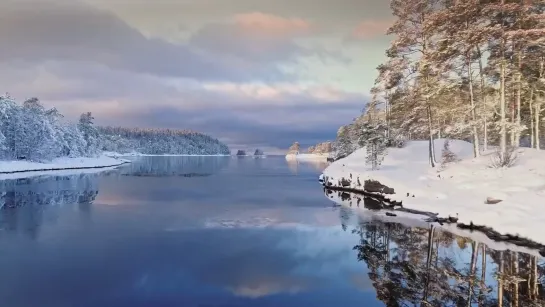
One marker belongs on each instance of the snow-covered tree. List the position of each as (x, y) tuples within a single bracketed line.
[(375, 141), (343, 143), (31, 132)]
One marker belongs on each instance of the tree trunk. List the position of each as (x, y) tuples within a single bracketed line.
[(483, 101), (535, 281), (483, 274), (537, 122), (500, 281), (430, 141), (503, 123), (519, 93), (473, 110), (472, 268), (531, 107), (428, 262), (503, 132), (512, 110), (516, 285)]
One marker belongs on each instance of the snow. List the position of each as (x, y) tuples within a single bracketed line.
[(21, 169), (414, 220), (461, 189), (307, 156)]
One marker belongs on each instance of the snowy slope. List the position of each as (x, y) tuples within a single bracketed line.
[(462, 188)]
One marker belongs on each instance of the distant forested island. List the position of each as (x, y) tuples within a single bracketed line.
[(160, 141), (29, 131)]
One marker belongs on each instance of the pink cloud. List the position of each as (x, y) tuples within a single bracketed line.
[(272, 24), (371, 28)]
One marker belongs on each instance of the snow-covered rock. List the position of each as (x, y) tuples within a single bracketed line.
[(460, 189)]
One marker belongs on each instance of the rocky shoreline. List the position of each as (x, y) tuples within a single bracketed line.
[(375, 201)]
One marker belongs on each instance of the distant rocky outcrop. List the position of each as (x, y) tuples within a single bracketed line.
[(241, 153), (258, 152), (321, 148), (294, 149)]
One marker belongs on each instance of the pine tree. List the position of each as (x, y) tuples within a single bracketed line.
[(373, 138)]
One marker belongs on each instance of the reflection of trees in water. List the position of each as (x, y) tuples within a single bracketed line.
[(175, 166), (24, 202), (317, 165), (414, 267)]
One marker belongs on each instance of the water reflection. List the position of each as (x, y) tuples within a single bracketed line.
[(277, 244), (184, 166), (25, 203), (428, 266), (315, 164)]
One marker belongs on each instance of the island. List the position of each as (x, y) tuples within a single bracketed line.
[(241, 153), (34, 139), (258, 153), (320, 152)]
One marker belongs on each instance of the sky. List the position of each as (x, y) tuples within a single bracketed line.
[(252, 73)]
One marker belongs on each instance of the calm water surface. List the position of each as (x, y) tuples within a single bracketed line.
[(222, 231)]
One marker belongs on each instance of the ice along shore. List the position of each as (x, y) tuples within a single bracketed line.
[(468, 191)]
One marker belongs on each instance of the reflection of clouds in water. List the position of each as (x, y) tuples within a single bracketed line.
[(269, 287), (287, 217), (158, 166)]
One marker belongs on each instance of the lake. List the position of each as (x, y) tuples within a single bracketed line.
[(227, 231)]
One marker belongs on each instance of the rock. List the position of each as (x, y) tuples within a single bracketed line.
[(492, 201), (374, 186), (241, 153)]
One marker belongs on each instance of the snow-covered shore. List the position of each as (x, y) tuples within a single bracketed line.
[(411, 220), (461, 189), (22, 169), (305, 156)]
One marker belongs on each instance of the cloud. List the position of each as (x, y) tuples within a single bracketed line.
[(37, 31), (371, 28), (254, 114), (254, 39), (251, 77), (273, 24)]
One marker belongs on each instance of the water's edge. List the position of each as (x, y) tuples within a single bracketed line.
[(375, 201)]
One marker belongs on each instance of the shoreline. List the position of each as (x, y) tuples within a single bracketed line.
[(18, 169), (467, 191), (61, 169), (413, 218)]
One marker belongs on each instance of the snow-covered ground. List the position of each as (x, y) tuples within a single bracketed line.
[(306, 156), (462, 188), (21, 169), (412, 220)]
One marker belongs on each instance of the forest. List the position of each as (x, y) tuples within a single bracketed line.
[(471, 70), (29, 131)]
